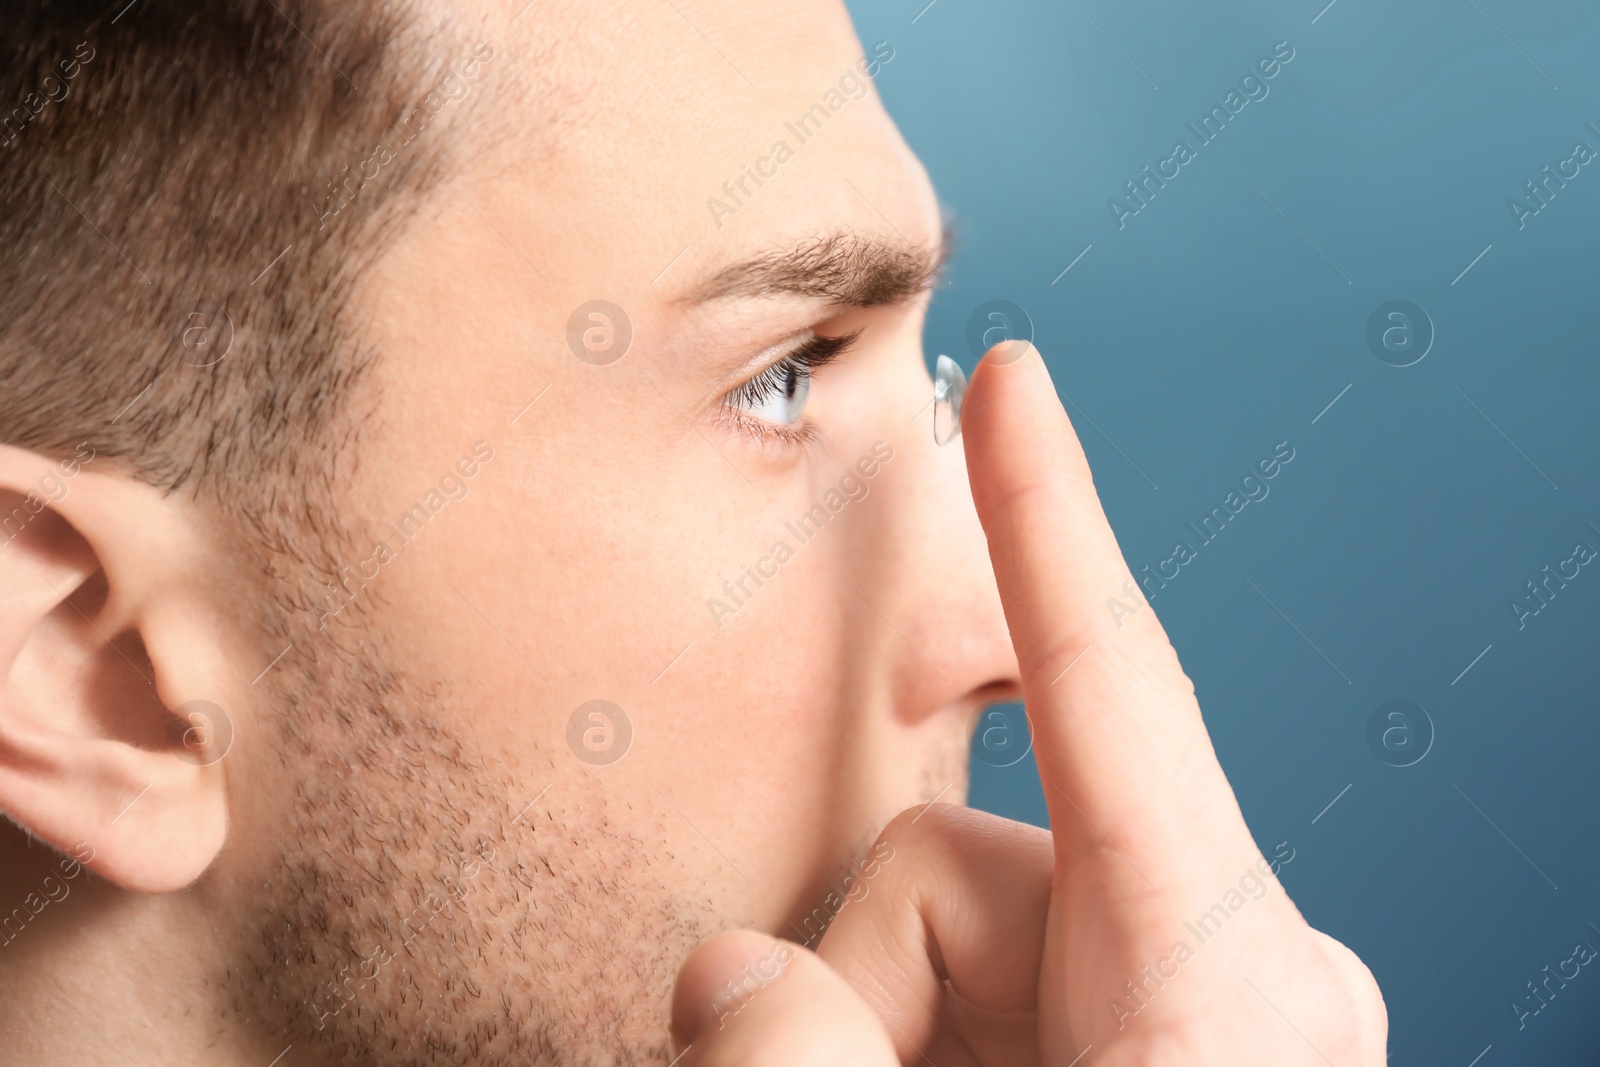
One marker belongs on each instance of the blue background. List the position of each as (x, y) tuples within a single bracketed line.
[(1225, 317)]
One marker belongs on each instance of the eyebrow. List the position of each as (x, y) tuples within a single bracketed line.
[(846, 268)]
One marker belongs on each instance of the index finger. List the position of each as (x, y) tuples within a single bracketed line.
[(1118, 736)]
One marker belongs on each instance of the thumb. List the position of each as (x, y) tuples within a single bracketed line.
[(744, 997)]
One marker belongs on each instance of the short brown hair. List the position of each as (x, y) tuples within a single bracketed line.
[(161, 170)]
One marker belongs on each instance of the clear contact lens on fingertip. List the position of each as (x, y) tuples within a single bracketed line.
[(949, 387)]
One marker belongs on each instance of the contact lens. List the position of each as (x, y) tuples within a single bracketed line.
[(949, 386)]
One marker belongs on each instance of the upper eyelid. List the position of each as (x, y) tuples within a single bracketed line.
[(770, 357), (832, 349), (772, 354)]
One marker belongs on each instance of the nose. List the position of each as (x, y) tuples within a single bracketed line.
[(927, 569)]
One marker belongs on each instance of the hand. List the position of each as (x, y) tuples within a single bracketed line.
[(1144, 928)]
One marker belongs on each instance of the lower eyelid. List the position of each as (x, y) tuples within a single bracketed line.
[(769, 434)]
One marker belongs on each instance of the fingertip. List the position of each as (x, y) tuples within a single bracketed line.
[(1007, 367), (1008, 352), (708, 971), (746, 997), (1015, 428)]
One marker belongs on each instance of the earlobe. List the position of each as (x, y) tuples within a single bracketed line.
[(110, 734)]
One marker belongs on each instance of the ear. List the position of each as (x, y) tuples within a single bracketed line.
[(111, 669)]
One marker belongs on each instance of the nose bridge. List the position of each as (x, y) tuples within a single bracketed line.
[(931, 576)]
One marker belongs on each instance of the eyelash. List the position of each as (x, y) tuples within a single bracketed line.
[(803, 361)]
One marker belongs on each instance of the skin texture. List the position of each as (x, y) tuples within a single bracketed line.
[(372, 761), (401, 859), (1144, 928)]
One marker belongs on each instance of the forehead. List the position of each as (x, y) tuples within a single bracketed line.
[(665, 139)]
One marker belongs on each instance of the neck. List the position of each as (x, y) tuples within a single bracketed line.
[(91, 974)]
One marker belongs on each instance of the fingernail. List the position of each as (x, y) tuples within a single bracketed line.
[(1007, 352)]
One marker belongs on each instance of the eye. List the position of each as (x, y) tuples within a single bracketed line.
[(778, 394)]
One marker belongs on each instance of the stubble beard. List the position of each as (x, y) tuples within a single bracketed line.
[(423, 912)]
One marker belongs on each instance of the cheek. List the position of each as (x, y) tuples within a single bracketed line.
[(600, 561)]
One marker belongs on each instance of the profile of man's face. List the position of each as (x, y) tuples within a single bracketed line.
[(628, 638)]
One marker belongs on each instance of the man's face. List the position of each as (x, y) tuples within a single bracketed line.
[(789, 609)]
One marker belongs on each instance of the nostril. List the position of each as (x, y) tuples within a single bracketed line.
[(1000, 691)]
